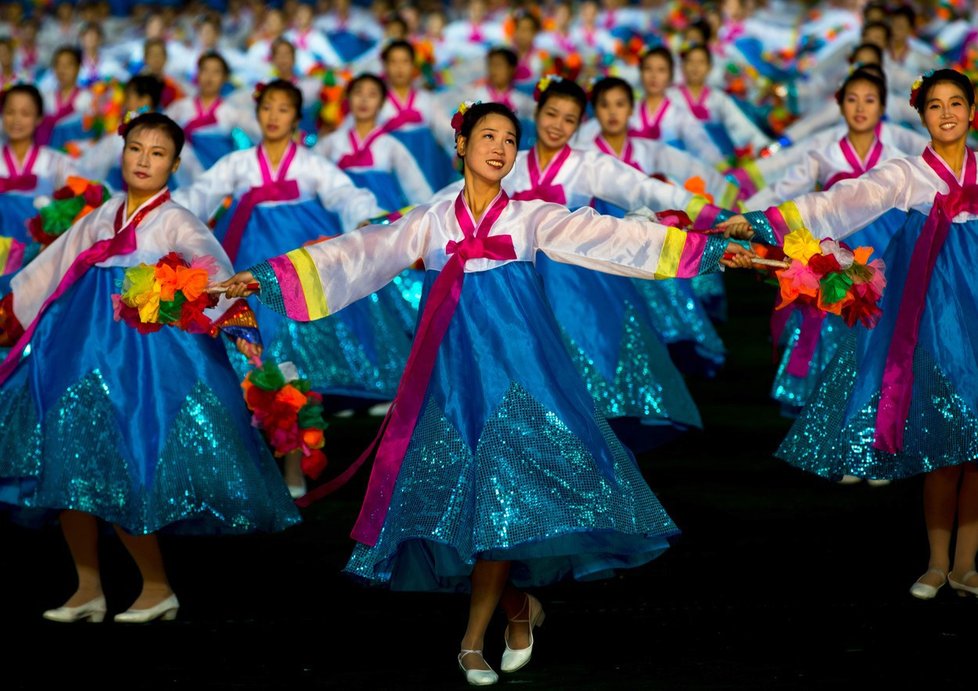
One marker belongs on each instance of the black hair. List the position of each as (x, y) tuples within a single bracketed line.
[(150, 42), (366, 77), (905, 11), (703, 27), (872, 76), (214, 55), (395, 45), (286, 87), (511, 58), (160, 122), (279, 42), (870, 6), (877, 25), (395, 18), (867, 46), (28, 90), (91, 26), (7, 41), (663, 53), (603, 86), (938, 76), (521, 15), (73, 51), (685, 53), (147, 85), (566, 88), (478, 111)]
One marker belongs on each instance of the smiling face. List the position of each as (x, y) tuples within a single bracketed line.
[(20, 117), (277, 116), (947, 115), (861, 107), (148, 159), (557, 121), (613, 110), (656, 75), (489, 151)]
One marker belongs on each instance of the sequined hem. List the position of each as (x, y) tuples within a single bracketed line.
[(643, 387), (763, 230), (941, 429), (793, 392), (531, 492), (207, 479), (716, 245), (710, 291)]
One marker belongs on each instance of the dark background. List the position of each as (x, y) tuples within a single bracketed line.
[(780, 581)]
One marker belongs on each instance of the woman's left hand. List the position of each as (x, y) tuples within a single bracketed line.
[(736, 257)]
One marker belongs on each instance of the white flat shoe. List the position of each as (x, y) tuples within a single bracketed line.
[(849, 480), (960, 588), (297, 491), (477, 677), (93, 611), (379, 410), (922, 591), (165, 610), (516, 659), (877, 483)]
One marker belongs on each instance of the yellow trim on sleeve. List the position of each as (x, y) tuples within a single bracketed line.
[(696, 205), (791, 215), (312, 287), (672, 251)]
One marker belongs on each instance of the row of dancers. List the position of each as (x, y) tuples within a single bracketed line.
[(531, 323)]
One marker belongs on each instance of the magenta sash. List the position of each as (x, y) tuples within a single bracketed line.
[(543, 187), (698, 107), (19, 179), (204, 118), (360, 156), (523, 70), (652, 127), (897, 385), (627, 153), (42, 136), (501, 97), (277, 190), (123, 242), (395, 432), (475, 33), (857, 166), (406, 112)]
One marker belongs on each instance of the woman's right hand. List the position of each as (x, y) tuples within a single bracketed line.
[(240, 285), (736, 227)]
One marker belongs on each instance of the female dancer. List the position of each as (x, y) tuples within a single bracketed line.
[(72, 440), (66, 103), (519, 482), (900, 399)]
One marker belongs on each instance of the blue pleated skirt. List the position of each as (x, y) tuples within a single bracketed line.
[(611, 338), (506, 460), (434, 162), (359, 352), (834, 434), (147, 431)]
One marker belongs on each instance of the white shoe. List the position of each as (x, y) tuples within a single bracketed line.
[(379, 410), (165, 610), (477, 677), (93, 611), (962, 589), (297, 491), (849, 480), (346, 412), (515, 659), (877, 483), (922, 591)]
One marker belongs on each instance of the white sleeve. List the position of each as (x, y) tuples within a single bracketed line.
[(799, 179), (209, 189), (616, 182), (338, 193)]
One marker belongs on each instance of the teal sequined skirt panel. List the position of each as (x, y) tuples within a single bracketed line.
[(147, 431), (791, 391), (510, 460)]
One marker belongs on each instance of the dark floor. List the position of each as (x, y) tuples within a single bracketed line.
[(779, 581)]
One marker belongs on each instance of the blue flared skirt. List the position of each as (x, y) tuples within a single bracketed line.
[(437, 168), (510, 460), (793, 392), (17, 208), (147, 431), (211, 146), (359, 352), (615, 346), (834, 434)]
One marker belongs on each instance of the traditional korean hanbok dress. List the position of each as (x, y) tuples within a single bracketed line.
[(731, 130), (307, 199), (214, 131), (42, 171), (494, 448), (148, 431), (899, 399), (812, 338), (615, 346), (413, 122), (63, 120), (674, 308)]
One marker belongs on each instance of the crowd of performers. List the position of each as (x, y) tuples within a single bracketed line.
[(508, 275)]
